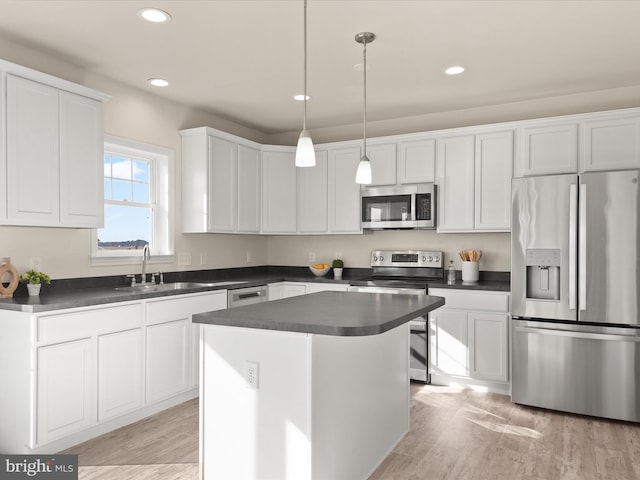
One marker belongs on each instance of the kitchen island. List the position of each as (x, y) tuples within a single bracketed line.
[(308, 387)]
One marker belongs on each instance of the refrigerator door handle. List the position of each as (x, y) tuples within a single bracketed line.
[(582, 249), (573, 212)]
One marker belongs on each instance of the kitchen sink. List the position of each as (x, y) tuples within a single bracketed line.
[(164, 287)]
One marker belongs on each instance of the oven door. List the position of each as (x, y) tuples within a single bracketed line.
[(418, 336), (381, 211)]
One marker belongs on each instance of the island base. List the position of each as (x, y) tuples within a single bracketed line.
[(298, 406)]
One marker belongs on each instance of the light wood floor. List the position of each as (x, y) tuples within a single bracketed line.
[(455, 434)]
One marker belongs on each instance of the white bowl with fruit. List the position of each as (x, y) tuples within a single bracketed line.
[(320, 269)]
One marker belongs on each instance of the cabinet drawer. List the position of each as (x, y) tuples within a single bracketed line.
[(469, 300), (63, 327), (174, 308)]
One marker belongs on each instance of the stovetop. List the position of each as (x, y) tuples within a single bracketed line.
[(403, 269)]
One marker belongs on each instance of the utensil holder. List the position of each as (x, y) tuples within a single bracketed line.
[(470, 272)]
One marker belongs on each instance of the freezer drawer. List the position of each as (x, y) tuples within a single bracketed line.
[(586, 370)]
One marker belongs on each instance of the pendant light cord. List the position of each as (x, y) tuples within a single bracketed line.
[(364, 69), (304, 119)]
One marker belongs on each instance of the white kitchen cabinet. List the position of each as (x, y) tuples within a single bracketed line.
[(313, 185), (474, 182), (279, 190), (120, 368), (344, 192), (470, 339), (249, 184), (417, 161), (383, 158), (220, 182), (547, 147), (65, 392), (293, 289), (325, 287), (168, 359), (54, 146), (456, 180), (611, 142)]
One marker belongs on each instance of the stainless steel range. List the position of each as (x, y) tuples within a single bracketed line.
[(406, 272)]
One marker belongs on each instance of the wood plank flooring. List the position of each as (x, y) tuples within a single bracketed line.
[(455, 434)]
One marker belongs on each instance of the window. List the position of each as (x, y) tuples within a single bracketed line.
[(138, 202)]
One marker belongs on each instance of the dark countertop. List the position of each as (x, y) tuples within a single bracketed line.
[(327, 313), (74, 293)]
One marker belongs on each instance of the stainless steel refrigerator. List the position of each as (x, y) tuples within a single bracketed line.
[(574, 291)]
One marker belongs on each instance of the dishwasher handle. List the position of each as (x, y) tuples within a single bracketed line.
[(246, 296)]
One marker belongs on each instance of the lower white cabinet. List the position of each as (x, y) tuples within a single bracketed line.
[(293, 289), (78, 373), (65, 393), (120, 367), (167, 372), (469, 338)]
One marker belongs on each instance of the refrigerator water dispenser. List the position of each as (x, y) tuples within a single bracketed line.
[(543, 274)]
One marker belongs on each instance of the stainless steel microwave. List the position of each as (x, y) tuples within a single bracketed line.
[(397, 207)]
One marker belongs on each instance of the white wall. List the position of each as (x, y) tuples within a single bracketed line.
[(355, 249)]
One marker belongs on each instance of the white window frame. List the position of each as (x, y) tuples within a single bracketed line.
[(163, 198)]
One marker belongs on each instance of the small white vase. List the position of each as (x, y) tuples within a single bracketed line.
[(34, 289), (337, 273)]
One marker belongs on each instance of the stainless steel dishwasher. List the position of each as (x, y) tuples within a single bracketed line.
[(240, 297)]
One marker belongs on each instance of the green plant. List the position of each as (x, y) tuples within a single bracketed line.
[(337, 263), (34, 277)]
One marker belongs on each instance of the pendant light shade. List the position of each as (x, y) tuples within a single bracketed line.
[(363, 174), (305, 154)]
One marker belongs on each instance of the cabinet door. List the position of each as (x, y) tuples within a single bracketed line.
[(167, 370), (449, 342), (223, 177), (383, 164), (33, 152), (279, 192), (456, 172), (611, 144), (417, 161), (293, 290), (81, 162), (248, 189), (493, 173), (120, 373), (65, 401), (488, 346), (313, 195), (344, 192), (548, 149)]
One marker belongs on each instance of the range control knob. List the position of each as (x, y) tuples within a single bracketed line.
[(430, 259), (381, 258), (436, 259), (423, 259)]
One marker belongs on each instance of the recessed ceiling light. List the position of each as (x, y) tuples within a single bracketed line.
[(154, 15), (300, 97), (455, 70), (158, 82)]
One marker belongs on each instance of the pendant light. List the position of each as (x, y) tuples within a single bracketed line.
[(305, 154), (363, 174)]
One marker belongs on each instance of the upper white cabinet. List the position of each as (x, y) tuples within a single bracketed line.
[(474, 182), (548, 148), (279, 190), (383, 163), (220, 182), (344, 192), (313, 196), (417, 161), (54, 146), (611, 142)]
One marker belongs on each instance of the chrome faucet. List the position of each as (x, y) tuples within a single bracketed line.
[(145, 256)]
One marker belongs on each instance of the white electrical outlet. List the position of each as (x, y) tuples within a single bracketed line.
[(312, 257), (338, 255), (251, 374), (35, 263), (203, 258)]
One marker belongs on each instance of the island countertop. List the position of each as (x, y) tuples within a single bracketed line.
[(327, 313)]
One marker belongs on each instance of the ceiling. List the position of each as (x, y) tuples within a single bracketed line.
[(242, 60)]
